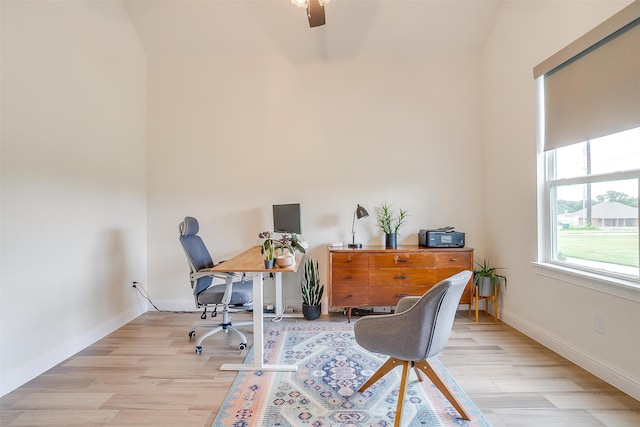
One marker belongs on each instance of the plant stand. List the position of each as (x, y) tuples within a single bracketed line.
[(475, 299)]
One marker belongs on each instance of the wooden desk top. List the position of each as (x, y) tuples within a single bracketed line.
[(252, 261)]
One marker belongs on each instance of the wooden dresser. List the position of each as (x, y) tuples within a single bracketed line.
[(375, 276)]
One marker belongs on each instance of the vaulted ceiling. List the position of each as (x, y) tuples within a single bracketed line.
[(354, 27)]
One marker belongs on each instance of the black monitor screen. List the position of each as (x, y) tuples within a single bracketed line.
[(286, 218)]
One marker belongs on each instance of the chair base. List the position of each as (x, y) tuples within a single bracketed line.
[(422, 366), (217, 328), (225, 325)]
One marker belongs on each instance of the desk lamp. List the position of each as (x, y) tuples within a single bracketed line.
[(359, 213)]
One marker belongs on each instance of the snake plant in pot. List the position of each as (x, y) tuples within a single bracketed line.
[(312, 291)]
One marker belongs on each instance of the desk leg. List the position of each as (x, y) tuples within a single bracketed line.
[(279, 309), (258, 337)]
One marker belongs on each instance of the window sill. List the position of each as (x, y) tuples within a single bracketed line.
[(621, 288)]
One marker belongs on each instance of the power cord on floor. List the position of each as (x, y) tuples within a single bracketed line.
[(280, 316), (143, 292)]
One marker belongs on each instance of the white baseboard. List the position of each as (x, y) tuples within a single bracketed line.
[(598, 367), (15, 379)]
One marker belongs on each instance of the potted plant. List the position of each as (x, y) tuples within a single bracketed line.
[(390, 223), (287, 246), (312, 291), (487, 280), (268, 249)]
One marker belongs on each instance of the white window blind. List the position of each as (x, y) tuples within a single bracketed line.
[(592, 87)]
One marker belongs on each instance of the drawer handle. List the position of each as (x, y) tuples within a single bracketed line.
[(349, 260), (400, 276), (397, 259), (349, 277), (453, 259), (402, 295)]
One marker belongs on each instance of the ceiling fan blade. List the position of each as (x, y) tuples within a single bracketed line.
[(315, 13)]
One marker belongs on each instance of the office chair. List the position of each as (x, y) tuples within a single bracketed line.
[(236, 293), (418, 330)]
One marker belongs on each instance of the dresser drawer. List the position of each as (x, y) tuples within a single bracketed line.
[(347, 296), (402, 259), (350, 277), (389, 295), (350, 260), (459, 260), (401, 276)]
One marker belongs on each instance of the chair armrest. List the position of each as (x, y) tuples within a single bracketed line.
[(225, 274), (207, 272)]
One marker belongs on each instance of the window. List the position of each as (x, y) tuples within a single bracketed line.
[(592, 195), (589, 151)]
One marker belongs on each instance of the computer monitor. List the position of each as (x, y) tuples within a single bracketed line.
[(286, 218)]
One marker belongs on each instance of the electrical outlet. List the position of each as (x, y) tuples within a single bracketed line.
[(599, 324)]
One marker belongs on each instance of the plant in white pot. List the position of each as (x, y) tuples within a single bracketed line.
[(287, 246), (312, 291), (487, 280), (390, 223)]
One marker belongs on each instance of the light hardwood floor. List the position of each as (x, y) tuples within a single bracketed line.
[(147, 373)]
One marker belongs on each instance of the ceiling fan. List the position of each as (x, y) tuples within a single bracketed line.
[(315, 10)]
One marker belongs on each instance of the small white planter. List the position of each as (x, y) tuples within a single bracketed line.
[(285, 260)]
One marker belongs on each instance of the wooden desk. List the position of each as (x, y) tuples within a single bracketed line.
[(251, 261), (375, 276)]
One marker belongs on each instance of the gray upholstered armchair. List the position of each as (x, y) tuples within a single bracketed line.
[(234, 292), (418, 330)]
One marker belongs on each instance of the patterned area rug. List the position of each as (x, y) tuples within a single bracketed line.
[(323, 392)]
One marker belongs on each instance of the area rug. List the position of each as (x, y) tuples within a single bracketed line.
[(323, 392)]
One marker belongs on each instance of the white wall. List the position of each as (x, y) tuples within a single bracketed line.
[(558, 313), (230, 136), (73, 180)]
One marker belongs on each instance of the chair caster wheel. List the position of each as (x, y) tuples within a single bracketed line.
[(198, 349), (242, 346), (192, 334)]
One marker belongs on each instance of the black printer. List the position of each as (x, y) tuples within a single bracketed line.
[(444, 237)]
